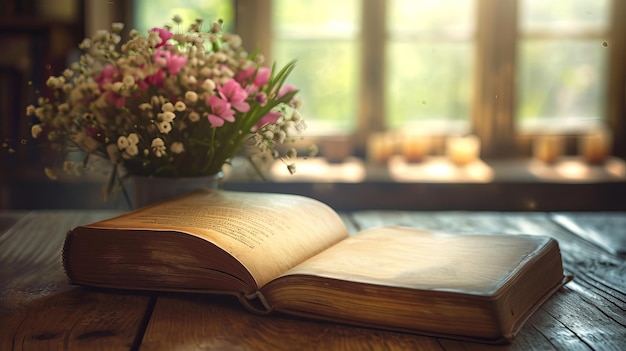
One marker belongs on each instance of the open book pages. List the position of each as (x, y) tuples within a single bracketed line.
[(263, 234)]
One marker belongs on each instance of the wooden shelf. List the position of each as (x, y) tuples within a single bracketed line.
[(512, 188)]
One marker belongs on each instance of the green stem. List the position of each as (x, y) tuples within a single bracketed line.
[(211, 150), (256, 168)]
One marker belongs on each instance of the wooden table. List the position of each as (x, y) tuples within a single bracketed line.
[(38, 310)]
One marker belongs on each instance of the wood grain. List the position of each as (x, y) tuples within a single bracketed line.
[(220, 323), (39, 310), (593, 226)]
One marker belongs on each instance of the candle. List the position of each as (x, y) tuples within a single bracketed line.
[(415, 147), (548, 148), (595, 148), (337, 149), (463, 150), (380, 147)]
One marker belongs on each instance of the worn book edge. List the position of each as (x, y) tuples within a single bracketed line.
[(506, 338), (531, 311), (67, 243)]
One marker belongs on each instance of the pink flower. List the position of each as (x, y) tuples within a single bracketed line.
[(244, 77), (221, 111), (261, 98), (232, 92), (164, 34), (270, 117), (117, 100), (95, 133), (173, 63), (258, 77), (142, 84), (156, 79), (262, 76), (287, 88), (109, 74)]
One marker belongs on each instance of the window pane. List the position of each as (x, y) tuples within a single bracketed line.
[(429, 63), (427, 16), (562, 63), (326, 75), (542, 14), (561, 80), (156, 13), (429, 82), (314, 18), (322, 36)]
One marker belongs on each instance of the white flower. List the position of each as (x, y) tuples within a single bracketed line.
[(191, 80), (101, 35), (208, 85), (164, 127), (205, 71), (117, 26), (235, 40), (50, 173), (128, 145), (167, 107), (118, 87), (36, 130), (133, 138), (291, 168), (177, 147), (216, 28), (55, 82), (194, 116), (30, 110), (76, 95), (158, 147), (282, 135), (68, 73), (180, 106), (128, 80), (64, 107), (85, 44), (191, 96), (166, 116), (145, 106), (292, 153)]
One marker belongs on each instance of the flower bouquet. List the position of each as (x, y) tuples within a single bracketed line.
[(171, 103)]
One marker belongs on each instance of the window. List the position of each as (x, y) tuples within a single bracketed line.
[(503, 70), (326, 45), (563, 62), (429, 60), (148, 14)]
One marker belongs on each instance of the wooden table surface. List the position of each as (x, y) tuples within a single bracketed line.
[(40, 311)]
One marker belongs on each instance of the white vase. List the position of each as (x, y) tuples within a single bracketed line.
[(143, 190)]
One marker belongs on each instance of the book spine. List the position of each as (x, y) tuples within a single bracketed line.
[(255, 302), (67, 244)]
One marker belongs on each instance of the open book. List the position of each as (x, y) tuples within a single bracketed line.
[(293, 254)]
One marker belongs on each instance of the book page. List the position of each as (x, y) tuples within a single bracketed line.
[(416, 259), (267, 233)]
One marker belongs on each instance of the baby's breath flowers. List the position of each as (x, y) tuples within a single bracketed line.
[(170, 103)]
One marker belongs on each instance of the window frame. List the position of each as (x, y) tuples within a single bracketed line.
[(492, 116)]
